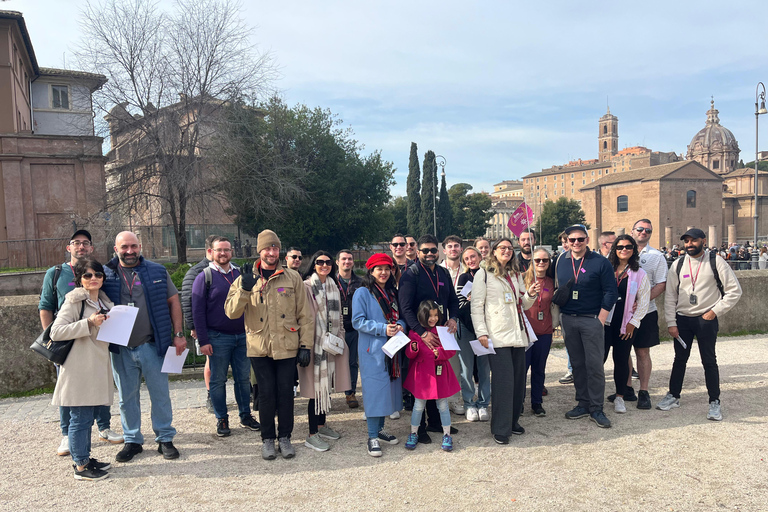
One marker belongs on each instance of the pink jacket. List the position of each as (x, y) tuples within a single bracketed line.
[(422, 380)]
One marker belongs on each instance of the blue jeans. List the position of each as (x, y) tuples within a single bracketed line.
[(127, 368), (79, 433), (374, 425), (468, 358), (351, 337), (229, 350), (101, 412), (442, 406)]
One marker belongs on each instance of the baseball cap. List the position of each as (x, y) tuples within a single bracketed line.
[(576, 227), (693, 233), (82, 232)]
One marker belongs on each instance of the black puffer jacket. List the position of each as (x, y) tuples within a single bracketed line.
[(186, 291)]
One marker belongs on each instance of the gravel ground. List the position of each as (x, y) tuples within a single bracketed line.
[(649, 460)]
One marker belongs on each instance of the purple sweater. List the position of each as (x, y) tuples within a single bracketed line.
[(208, 313)]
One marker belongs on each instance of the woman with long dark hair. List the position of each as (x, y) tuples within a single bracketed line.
[(326, 372), (376, 317), (624, 318)]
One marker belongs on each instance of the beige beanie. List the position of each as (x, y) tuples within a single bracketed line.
[(267, 238)]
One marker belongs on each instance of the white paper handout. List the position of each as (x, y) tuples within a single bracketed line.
[(173, 363), (531, 335), (395, 343), (679, 339), (467, 289), (480, 350), (117, 328), (447, 339)]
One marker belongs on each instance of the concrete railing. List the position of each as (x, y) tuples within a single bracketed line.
[(22, 370)]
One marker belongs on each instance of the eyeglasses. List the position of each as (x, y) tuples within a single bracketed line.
[(504, 248), (624, 248), (295, 257), (430, 250), (90, 275), (540, 260), (398, 244), (323, 263), (647, 230), (579, 239), (222, 250), (78, 243)]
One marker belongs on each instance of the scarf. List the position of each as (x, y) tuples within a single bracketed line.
[(391, 312), (328, 302)]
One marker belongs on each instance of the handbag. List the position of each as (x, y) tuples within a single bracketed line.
[(54, 351), (333, 344)]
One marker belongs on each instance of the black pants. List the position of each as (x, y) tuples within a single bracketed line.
[(275, 378), (431, 417), (705, 332), (315, 420), (508, 388), (621, 350)]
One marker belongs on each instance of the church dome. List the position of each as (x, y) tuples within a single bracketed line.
[(714, 146)]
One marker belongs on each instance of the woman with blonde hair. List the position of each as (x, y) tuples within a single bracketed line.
[(499, 298)]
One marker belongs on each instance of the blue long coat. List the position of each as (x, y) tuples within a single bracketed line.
[(381, 395)]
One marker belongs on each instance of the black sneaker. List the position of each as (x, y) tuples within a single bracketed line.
[(209, 404), (643, 399), (128, 452), (250, 422), (630, 396), (424, 438), (501, 439), (90, 473), (538, 410), (387, 437), (222, 427), (168, 450), (635, 375), (517, 429), (599, 418), (576, 413), (94, 464)]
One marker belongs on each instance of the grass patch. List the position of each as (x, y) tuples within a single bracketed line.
[(31, 392), (18, 269)]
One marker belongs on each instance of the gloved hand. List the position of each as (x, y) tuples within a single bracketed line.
[(248, 280), (303, 357)]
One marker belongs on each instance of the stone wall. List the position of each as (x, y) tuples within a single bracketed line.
[(21, 283)]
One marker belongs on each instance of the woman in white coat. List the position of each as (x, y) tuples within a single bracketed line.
[(499, 298), (85, 379)]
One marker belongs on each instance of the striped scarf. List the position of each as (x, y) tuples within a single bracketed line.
[(328, 302)]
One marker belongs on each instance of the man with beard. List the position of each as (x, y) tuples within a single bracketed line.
[(132, 280), (700, 288), (349, 282), (425, 280), (605, 240), (526, 241), (51, 299), (293, 258)]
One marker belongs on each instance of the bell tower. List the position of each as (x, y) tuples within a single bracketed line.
[(608, 136)]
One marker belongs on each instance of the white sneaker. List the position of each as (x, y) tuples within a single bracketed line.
[(714, 411), (457, 408), (395, 415), (668, 402), (472, 414), (112, 437), (482, 413), (618, 405), (63, 446)]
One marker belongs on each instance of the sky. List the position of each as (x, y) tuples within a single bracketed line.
[(500, 89)]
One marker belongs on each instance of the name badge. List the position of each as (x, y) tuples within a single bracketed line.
[(508, 298), (345, 311), (440, 307), (575, 295), (132, 304), (438, 370), (541, 315)]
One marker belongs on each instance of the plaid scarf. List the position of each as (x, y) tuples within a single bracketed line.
[(389, 307), (328, 302)]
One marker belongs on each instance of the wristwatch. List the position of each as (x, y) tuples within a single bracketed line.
[(179, 335)]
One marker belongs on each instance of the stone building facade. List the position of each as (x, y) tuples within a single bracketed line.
[(714, 146)]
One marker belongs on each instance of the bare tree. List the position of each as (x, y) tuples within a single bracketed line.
[(170, 77)]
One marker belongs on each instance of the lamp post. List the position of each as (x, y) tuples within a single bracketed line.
[(759, 98), (434, 192)]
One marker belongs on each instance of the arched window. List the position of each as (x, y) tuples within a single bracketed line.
[(605, 144), (690, 199), (622, 204), (605, 128)]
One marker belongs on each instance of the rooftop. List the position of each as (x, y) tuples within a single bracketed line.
[(654, 173)]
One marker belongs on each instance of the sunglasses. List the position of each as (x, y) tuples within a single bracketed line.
[(431, 250), (579, 239), (541, 260), (398, 244), (322, 263), (295, 257), (411, 244), (624, 248), (647, 230), (90, 275)]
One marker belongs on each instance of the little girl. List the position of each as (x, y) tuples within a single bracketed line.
[(430, 376)]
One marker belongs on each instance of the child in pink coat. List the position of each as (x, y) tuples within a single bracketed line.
[(430, 376)]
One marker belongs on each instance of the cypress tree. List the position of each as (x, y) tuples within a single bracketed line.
[(444, 213), (414, 199), (428, 191)]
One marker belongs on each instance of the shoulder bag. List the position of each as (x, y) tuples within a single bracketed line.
[(54, 351)]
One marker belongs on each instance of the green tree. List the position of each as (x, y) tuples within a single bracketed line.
[(412, 190), (762, 165), (471, 212), (444, 212), (555, 217), (428, 194), (394, 219)]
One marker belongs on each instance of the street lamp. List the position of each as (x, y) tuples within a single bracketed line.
[(759, 97), (434, 192)]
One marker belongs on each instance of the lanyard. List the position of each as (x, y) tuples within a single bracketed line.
[(436, 288), (224, 274), (575, 273), (517, 303), (129, 285), (456, 279), (622, 275), (344, 293), (694, 279)]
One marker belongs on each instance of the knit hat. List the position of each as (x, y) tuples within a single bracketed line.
[(267, 238), (379, 259)]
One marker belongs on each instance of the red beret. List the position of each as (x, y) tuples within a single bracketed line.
[(379, 259)]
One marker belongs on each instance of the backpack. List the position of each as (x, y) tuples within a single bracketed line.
[(208, 280), (712, 263), (56, 275)]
